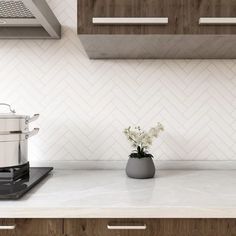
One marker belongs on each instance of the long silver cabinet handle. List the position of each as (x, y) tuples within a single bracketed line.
[(127, 227), (217, 20), (7, 227), (130, 20)]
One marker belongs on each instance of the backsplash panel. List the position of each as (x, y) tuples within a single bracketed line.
[(85, 104)]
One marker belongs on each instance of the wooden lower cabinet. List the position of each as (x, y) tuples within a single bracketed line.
[(154, 227), (118, 227), (31, 227)]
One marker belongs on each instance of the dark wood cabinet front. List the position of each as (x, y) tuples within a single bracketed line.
[(215, 11), (154, 227), (184, 16), (118, 227), (170, 9), (31, 227), (189, 29)]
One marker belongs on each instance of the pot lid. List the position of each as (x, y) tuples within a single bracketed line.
[(12, 114)]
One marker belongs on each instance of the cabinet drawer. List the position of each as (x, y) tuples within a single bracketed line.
[(31, 227), (105, 227), (211, 16), (130, 16), (150, 227)]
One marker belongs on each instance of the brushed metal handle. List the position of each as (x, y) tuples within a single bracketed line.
[(130, 20), (7, 227), (217, 20), (127, 227)]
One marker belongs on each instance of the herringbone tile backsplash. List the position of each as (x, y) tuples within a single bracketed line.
[(86, 104)]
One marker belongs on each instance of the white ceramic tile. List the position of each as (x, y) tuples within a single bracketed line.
[(85, 104)]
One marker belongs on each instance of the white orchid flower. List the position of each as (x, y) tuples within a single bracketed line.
[(140, 139)]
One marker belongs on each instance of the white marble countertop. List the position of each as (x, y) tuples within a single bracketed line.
[(109, 194)]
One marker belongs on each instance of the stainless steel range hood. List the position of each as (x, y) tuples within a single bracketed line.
[(28, 19)]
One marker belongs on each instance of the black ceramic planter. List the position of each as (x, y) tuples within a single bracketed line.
[(140, 168)]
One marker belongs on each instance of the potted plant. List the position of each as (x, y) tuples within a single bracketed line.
[(140, 164)]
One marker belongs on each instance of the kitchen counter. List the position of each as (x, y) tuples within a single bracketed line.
[(108, 194)]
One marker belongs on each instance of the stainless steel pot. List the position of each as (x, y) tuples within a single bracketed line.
[(14, 148), (12, 122), (14, 135)]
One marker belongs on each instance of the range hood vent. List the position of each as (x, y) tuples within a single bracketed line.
[(28, 19)]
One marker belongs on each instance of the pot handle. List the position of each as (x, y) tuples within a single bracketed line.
[(8, 105), (33, 118), (31, 133)]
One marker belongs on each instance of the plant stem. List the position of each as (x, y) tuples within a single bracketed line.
[(140, 150)]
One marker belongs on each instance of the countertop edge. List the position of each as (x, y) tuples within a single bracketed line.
[(162, 212)]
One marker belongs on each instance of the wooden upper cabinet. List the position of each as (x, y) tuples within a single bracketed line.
[(210, 16), (187, 29), (184, 16), (90, 11)]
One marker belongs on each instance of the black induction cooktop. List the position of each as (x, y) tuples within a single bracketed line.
[(16, 189)]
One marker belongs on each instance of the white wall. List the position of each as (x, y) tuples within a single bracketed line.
[(85, 104)]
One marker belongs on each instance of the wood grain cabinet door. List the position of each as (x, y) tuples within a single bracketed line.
[(105, 227), (125, 227), (7, 227), (210, 16), (130, 16), (31, 227), (150, 227)]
